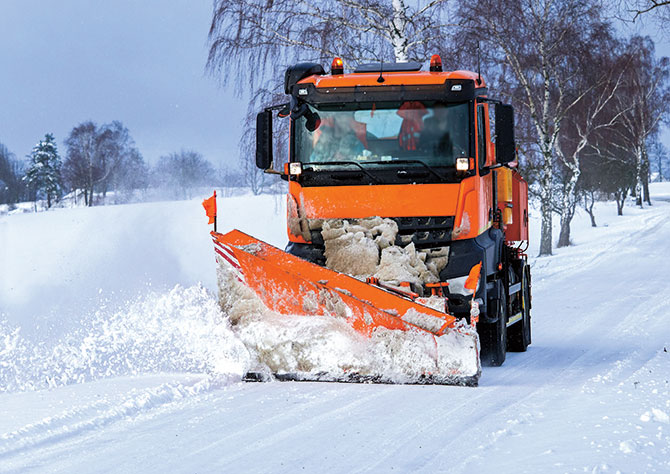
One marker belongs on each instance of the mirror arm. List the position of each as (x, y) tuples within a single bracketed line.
[(492, 167), (276, 107), (486, 99)]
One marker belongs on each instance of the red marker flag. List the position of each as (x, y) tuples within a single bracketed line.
[(473, 278), (210, 208)]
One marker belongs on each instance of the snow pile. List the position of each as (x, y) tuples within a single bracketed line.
[(280, 343), (184, 331), (424, 321), (323, 344), (402, 356), (657, 415), (180, 331), (354, 246), (294, 344), (406, 264)]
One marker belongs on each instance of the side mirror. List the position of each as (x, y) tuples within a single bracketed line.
[(505, 147), (264, 140), (312, 119)]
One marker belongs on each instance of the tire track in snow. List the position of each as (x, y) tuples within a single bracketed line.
[(537, 357), (461, 407), (555, 390), (534, 358), (464, 409), (263, 444), (525, 412), (614, 314), (640, 323), (650, 224), (66, 426), (459, 411), (509, 375)]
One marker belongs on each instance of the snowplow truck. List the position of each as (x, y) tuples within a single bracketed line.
[(429, 154)]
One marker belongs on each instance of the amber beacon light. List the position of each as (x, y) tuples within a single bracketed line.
[(435, 63), (337, 66)]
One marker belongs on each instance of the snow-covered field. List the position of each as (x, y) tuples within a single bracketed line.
[(114, 357)]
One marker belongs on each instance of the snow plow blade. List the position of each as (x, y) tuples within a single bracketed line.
[(289, 285), (463, 381)]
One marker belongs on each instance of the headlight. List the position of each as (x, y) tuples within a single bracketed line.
[(295, 168), (462, 164)]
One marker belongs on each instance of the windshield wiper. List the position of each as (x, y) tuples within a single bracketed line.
[(429, 168), (344, 163)]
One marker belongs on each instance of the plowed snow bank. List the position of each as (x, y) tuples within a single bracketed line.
[(179, 331), (318, 344)]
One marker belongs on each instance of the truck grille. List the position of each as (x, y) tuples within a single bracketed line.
[(425, 232)]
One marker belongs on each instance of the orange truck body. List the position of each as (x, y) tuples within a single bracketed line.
[(476, 205), (471, 199)]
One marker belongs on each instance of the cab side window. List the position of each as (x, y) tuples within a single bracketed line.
[(481, 136)]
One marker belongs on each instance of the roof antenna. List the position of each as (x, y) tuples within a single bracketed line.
[(479, 71), (381, 70)]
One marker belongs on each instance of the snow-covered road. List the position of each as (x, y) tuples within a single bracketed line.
[(592, 394)]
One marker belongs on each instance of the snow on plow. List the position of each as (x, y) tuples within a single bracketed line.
[(318, 324)]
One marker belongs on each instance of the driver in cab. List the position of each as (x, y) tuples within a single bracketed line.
[(339, 138)]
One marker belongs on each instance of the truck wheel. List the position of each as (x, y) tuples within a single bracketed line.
[(519, 333), (493, 336)]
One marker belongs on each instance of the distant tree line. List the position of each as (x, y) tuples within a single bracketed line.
[(589, 101), (98, 160), (12, 188), (102, 158)]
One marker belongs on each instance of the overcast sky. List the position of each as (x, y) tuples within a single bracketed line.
[(140, 62), (63, 62)]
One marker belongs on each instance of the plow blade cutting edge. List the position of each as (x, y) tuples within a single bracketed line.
[(292, 286)]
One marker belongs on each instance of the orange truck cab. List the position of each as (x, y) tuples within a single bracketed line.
[(393, 141)]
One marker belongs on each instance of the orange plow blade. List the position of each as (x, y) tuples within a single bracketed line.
[(289, 285)]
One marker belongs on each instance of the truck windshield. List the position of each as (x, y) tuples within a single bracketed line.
[(432, 133)]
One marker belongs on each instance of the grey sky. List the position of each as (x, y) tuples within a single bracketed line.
[(140, 62)]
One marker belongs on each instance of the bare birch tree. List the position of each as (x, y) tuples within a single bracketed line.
[(97, 156), (253, 41), (180, 173), (536, 39), (661, 158), (656, 10), (257, 37), (646, 95), (601, 71), (610, 165)]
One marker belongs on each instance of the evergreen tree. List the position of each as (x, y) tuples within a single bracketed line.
[(43, 174)]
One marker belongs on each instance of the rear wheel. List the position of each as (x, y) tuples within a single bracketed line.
[(519, 333), (493, 336)]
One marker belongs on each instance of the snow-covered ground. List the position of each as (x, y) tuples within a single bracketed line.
[(114, 358)]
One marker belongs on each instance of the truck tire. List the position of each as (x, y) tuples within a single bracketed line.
[(493, 336), (519, 336)]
